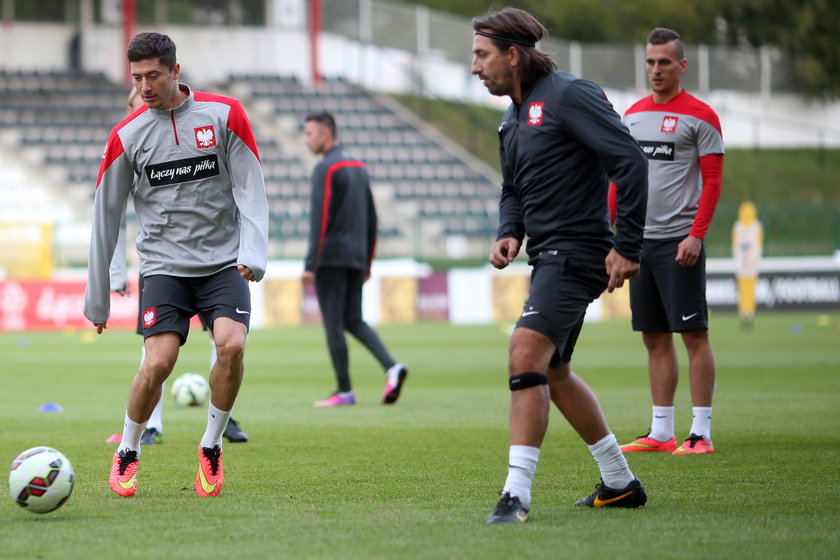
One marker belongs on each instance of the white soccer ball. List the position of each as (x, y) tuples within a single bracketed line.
[(190, 389), (41, 479)]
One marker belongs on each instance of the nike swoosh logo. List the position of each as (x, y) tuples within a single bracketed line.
[(522, 518), (598, 502), (242, 311), (144, 150), (687, 317), (657, 416), (530, 313), (206, 486), (128, 483)]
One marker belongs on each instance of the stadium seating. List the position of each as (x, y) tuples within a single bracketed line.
[(63, 119)]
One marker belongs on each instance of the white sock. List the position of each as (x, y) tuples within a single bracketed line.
[(156, 420), (522, 464), (131, 435), (216, 422), (614, 470), (662, 423), (701, 425)]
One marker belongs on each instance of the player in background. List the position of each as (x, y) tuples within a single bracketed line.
[(747, 243), (191, 161), (560, 141), (342, 242), (682, 139), (119, 284)]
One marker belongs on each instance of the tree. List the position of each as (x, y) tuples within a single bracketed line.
[(805, 32)]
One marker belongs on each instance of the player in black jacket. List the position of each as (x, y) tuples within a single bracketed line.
[(561, 141), (342, 240)]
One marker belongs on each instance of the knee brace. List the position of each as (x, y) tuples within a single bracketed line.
[(525, 380)]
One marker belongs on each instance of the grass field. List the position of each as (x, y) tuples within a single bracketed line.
[(417, 480)]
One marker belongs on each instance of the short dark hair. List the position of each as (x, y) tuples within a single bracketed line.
[(524, 31), (152, 45), (663, 36), (323, 118)]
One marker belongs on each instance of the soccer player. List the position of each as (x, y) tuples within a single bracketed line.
[(342, 239), (560, 141), (201, 207), (682, 139), (119, 283)]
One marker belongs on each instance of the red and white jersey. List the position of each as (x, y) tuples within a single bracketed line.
[(674, 136), (199, 194)]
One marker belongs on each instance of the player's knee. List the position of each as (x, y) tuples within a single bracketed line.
[(156, 368), (526, 380), (231, 347)]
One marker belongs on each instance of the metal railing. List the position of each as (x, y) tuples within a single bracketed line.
[(428, 33)]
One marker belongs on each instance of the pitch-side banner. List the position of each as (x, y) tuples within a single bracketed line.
[(56, 304), (816, 289)]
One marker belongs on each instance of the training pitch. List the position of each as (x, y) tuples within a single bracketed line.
[(418, 479)]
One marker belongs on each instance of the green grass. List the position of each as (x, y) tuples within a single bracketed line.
[(416, 480)]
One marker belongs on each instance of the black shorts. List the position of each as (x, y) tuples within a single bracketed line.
[(562, 287), (667, 297), (139, 330), (169, 302)]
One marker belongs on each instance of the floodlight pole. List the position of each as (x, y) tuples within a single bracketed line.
[(129, 19), (314, 35)]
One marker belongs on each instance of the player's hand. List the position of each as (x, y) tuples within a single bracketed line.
[(100, 327), (308, 277), (123, 292), (619, 269), (504, 251), (246, 273), (688, 251)]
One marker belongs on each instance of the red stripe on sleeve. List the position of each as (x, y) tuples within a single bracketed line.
[(239, 124), (238, 121), (611, 201), (325, 209), (711, 169), (113, 150)]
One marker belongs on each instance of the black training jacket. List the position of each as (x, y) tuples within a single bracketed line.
[(559, 148), (342, 215)]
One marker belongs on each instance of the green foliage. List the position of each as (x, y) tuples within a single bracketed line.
[(805, 31), (416, 480)]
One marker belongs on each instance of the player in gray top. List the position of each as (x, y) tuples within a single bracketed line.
[(191, 161), (682, 139), (153, 434)]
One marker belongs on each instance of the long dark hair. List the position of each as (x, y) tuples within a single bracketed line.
[(519, 29)]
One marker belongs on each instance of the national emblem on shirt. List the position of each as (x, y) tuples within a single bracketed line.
[(535, 113), (149, 317), (669, 124), (205, 137)]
